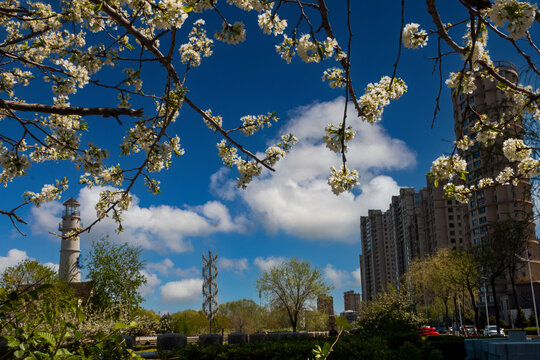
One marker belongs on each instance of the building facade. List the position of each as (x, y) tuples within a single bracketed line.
[(351, 301)]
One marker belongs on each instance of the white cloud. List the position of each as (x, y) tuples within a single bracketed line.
[(342, 278), (237, 265), (265, 264), (297, 200), (46, 218), (221, 185), (339, 278), (182, 292), (152, 281), (166, 267), (357, 277), (14, 256), (53, 266), (162, 228)]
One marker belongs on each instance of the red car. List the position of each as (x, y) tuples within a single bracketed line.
[(426, 331)]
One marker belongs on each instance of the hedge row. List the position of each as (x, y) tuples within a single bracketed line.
[(348, 347)]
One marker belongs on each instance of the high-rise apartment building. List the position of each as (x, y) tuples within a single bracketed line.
[(325, 304), (414, 226), (491, 206), (352, 301)]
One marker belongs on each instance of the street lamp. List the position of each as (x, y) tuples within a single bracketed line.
[(532, 290)]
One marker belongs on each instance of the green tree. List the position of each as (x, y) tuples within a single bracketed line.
[(189, 322), (389, 313), (115, 272), (242, 315), (291, 286), (27, 272)]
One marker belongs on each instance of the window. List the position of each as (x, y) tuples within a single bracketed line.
[(474, 222), (469, 158), (483, 220), (476, 154), (471, 100), (473, 204), (462, 106), (482, 210), (453, 241), (452, 232), (477, 163), (473, 213), (450, 217), (450, 209), (476, 231)]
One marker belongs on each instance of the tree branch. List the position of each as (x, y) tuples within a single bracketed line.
[(69, 110)]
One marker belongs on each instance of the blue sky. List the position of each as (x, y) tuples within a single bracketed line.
[(289, 213)]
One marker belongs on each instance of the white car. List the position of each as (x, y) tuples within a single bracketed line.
[(491, 330)]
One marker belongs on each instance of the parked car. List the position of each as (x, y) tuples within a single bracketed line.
[(427, 330), (468, 331), (491, 330)]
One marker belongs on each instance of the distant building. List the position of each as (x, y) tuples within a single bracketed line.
[(351, 300), (325, 304), (350, 315)]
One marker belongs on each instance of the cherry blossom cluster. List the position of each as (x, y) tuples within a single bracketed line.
[(378, 95), (231, 34), (413, 37), (271, 23), (48, 193), (335, 77), (517, 15), (199, 45), (251, 124), (342, 180), (336, 135), (446, 167)]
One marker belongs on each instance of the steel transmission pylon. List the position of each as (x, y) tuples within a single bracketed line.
[(209, 288)]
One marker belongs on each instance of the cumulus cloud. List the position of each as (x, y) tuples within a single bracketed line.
[(237, 265), (166, 267), (342, 278), (14, 256), (265, 264), (182, 292), (46, 218), (162, 228), (357, 277), (297, 200)]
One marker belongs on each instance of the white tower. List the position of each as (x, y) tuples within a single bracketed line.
[(71, 248)]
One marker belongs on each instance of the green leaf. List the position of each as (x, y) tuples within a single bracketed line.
[(128, 46), (320, 51), (19, 354), (77, 335), (120, 325), (63, 351), (97, 7), (48, 337), (436, 182), (502, 86), (188, 9)]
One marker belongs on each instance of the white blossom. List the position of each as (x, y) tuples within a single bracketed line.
[(413, 37), (378, 95), (446, 167), (518, 15), (505, 175), (342, 180), (516, 150)]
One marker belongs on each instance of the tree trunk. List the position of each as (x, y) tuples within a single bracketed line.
[(513, 282), (495, 305), (445, 301), (473, 301)]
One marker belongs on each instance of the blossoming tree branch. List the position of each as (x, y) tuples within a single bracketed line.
[(62, 48)]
